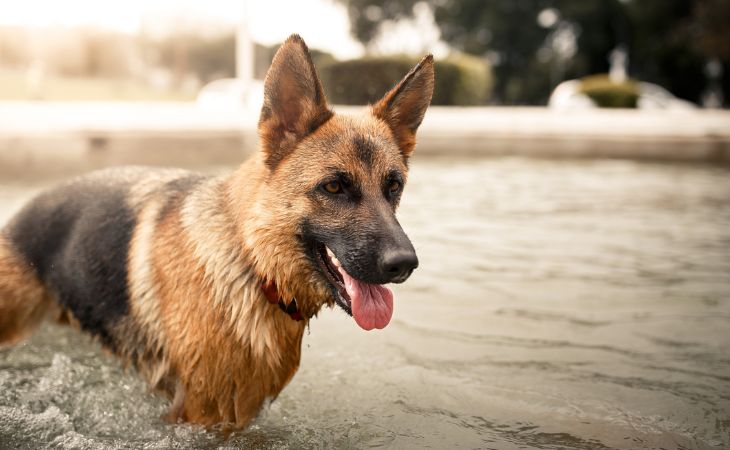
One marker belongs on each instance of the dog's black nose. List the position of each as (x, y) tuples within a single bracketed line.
[(397, 265)]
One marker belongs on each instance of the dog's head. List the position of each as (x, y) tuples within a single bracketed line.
[(337, 181)]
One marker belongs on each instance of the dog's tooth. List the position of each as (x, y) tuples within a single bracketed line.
[(333, 259)]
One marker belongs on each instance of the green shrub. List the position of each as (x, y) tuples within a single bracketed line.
[(460, 80), (471, 83), (608, 94)]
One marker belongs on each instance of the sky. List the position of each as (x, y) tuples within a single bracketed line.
[(322, 23)]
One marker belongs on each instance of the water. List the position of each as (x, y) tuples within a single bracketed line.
[(559, 304)]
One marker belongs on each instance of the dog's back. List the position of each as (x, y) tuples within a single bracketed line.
[(74, 241)]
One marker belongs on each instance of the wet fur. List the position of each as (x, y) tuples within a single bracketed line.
[(165, 267)]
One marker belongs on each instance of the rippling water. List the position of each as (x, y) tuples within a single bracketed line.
[(559, 304)]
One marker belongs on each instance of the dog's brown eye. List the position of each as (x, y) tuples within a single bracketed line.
[(394, 187), (333, 187)]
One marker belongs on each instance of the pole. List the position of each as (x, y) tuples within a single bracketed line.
[(244, 49)]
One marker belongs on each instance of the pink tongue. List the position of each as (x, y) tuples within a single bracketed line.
[(372, 304)]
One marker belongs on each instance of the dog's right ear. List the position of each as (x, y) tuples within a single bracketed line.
[(294, 101)]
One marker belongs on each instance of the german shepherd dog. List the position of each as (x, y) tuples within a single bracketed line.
[(205, 284)]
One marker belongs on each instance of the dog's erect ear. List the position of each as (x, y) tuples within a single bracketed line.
[(294, 102), (404, 106)]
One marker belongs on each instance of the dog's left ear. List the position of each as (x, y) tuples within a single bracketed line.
[(294, 101), (404, 106)]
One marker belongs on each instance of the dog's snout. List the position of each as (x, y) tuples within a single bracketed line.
[(398, 264)]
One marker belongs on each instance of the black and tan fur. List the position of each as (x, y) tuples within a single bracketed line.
[(165, 267)]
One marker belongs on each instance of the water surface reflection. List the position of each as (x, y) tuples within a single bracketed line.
[(559, 304)]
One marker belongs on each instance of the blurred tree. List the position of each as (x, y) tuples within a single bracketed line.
[(14, 46), (506, 32), (263, 55), (711, 22), (210, 58), (207, 58), (535, 44), (105, 53), (713, 38), (603, 26), (522, 38), (664, 49)]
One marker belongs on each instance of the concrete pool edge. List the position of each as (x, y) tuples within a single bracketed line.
[(93, 135)]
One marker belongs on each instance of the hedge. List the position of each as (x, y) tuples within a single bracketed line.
[(609, 94), (460, 80)]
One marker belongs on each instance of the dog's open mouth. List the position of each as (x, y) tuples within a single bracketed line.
[(371, 305)]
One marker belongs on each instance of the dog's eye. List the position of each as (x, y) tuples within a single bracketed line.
[(394, 187), (333, 187)]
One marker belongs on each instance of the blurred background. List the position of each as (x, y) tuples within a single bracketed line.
[(498, 52), (569, 200)]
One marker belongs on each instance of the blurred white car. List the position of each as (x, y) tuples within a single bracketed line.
[(654, 96), (567, 96)]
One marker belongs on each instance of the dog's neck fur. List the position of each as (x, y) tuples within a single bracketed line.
[(230, 261), (266, 238), (237, 331)]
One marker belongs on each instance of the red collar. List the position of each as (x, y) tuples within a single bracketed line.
[(272, 295)]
